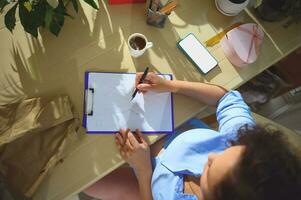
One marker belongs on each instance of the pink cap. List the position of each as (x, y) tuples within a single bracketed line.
[(242, 44)]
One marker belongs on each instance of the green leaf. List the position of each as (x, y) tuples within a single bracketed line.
[(57, 19), (32, 20), (75, 5), (10, 18), (91, 3), (55, 29), (3, 3), (27, 21), (48, 16)]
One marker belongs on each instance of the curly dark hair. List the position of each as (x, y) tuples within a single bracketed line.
[(269, 169)]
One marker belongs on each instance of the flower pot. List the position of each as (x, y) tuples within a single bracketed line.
[(271, 10), (231, 7)]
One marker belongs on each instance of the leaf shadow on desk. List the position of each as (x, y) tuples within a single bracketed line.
[(57, 64), (202, 15), (52, 66), (195, 18), (14, 91), (165, 51)]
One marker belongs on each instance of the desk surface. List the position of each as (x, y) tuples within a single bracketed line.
[(97, 41)]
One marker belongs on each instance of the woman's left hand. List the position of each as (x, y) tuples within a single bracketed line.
[(134, 150)]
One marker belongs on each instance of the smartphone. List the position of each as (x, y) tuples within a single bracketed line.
[(197, 53)]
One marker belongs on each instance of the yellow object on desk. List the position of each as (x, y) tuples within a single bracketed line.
[(215, 39), (168, 7)]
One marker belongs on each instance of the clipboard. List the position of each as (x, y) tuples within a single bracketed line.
[(108, 106)]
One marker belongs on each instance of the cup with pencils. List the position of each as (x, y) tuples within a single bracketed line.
[(158, 12)]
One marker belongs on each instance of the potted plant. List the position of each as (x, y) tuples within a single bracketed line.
[(33, 14), (275, 10), (292, 9), (271, 10)]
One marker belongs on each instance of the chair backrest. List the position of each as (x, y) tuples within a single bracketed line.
[(292, 136)]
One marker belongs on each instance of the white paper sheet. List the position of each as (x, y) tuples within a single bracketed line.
[(113, 108)]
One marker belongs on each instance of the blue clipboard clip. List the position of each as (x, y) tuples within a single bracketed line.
[(89, 101)]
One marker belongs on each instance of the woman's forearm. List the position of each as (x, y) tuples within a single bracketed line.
[(144, 180), (206, 93)]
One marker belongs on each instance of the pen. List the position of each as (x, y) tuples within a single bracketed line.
[(154, 5), (140, 81)]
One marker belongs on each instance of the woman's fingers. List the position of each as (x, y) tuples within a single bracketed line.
[(138, 77), (128, 146), (132, 139), (137, 139), (123, 140), (148, 79), (140, 137), (147, 83), (119, 139), (119, 144), (124, 134), (144, 87)]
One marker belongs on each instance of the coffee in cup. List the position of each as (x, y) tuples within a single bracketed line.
[(138, 44)]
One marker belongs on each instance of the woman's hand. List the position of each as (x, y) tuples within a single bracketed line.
[(152, 82), (134, 150)]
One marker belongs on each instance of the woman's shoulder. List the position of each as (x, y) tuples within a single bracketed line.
[(187, 153)]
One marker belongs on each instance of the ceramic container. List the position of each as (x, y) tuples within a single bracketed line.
[(134, 52), (231, 8)]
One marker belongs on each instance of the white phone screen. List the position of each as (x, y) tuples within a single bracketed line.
[(198, 53)]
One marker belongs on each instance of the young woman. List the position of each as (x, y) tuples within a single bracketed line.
[(241, 161)]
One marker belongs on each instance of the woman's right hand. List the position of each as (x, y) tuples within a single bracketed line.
[(152, 82)]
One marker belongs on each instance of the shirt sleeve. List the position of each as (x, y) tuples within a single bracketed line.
[(232, 113)]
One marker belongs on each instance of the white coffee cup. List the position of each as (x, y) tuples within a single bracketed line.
[(229, 8), (138, 52)]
